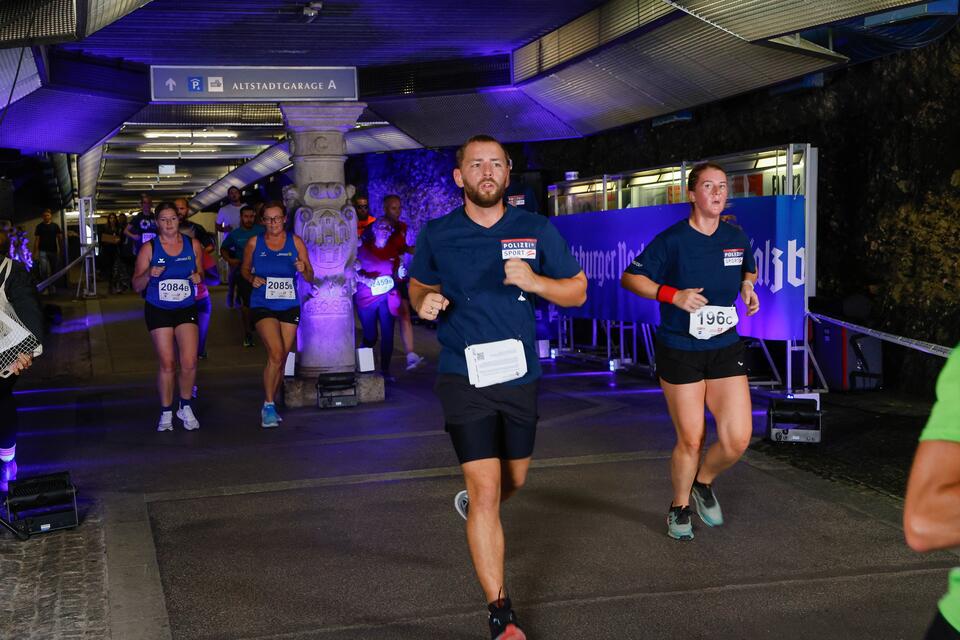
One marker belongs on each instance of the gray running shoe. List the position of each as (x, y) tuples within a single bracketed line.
[(706, 503), (679, 526), (461, 502), (166, 421)]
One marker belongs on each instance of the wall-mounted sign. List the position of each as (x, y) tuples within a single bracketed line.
[(251, 84), (166, 169)]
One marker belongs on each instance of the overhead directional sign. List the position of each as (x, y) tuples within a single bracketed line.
[(251, 84)]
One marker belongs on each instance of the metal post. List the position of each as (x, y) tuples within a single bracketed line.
[(88, 238)]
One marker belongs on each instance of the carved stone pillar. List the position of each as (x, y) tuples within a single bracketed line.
[(326, 220)]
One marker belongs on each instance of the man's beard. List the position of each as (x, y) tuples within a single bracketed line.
[(484, 200)]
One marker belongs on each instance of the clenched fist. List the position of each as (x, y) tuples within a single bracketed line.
[(519, 274), (431, 306)]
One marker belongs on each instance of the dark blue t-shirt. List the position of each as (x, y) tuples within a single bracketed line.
[(467, 259), (682, 257)]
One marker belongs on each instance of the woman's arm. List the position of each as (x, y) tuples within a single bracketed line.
[(141, 269)]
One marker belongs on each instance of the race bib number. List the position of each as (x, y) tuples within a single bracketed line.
[(711, 321), (381, 285), (495, 362), (280, 289), (175, 290), (147, 237)]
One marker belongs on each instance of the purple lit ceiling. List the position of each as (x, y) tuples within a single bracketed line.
[(361, 33)]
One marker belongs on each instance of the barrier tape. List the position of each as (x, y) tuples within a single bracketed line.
[(919, 345), (59, 274)]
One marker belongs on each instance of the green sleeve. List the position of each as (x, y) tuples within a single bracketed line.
[(944, 421)]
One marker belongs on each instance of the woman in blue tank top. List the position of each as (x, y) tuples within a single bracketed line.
[(271, 262), (167, 271)]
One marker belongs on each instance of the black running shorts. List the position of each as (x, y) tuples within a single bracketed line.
[(499, 421), (288, 316), (160, 318), (677, 366)]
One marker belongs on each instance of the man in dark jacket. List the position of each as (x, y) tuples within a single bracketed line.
[(22, 296)]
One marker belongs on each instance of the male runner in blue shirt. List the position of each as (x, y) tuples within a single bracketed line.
[(475, 272)]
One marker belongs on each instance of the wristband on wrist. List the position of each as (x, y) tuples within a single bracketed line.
[(749, 282), (666, 293)]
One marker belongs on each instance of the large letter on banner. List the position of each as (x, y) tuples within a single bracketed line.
[(606, 242)]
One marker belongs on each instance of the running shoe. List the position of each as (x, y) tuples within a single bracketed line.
[(414, 360), (503, 622), (706, 503), (190, 422), (269, 417), (166, 421), (461, 502), (248, 340), (679, 526)]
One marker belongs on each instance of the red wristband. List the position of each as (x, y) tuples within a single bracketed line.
[(666, 293)]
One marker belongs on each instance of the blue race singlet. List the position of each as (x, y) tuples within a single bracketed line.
[(172, 289), (276, 267)]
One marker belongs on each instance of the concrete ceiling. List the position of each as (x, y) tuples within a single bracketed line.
[(431, 72)]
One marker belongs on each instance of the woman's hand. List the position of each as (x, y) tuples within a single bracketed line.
[(258, 282), (156, 271)]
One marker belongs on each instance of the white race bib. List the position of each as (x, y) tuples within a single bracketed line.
[(495, 362), (381, 285), (280, 289), (710, 321), (174, 290)]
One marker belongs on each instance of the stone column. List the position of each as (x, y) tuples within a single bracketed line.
[(324, 217)]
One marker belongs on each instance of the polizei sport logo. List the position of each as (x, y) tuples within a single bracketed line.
[(524, 248)]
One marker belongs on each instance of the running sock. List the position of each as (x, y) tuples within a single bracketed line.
[(166, 408), (6, 455), (268, 404), (184, 402), (699, 484)]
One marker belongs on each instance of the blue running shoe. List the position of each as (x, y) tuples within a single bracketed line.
[(706, 503), (269, 417), (679, 526)]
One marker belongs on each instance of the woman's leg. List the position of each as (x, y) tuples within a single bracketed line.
[(163, 344), (686, 405), (386, 336), (188, 336), (272, 339), (203, 323), (729, 401)]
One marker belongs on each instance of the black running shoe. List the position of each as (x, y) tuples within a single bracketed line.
[(503, 622)]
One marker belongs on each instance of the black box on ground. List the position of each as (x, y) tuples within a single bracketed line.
[(43, 503), (337, 390), (794, 420)]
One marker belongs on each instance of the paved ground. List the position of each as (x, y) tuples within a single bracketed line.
[(340, 523)]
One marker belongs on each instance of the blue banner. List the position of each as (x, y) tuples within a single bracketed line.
[(606, 242)]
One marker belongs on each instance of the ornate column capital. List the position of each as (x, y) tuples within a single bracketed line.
[(321, 116)]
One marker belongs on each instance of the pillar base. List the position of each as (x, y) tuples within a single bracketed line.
[(302, 392)]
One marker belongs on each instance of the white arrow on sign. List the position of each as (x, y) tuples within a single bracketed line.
[(171, 84)]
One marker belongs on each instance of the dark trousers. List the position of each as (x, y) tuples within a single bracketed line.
[(368, 319), (8, 413), (940, 629)]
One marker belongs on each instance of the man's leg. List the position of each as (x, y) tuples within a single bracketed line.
[(484, 530)]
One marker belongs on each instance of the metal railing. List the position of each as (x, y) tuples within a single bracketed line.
[(919, 345), (59, 274)]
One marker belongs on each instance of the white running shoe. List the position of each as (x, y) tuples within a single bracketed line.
[(461, 502), (166, 421), (190, 421), (414, 360)]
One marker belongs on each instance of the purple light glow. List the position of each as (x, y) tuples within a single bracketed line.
[(112, 387), (73, 406), (576, 374)]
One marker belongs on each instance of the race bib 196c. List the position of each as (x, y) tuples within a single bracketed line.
[(175, 290), (710, 321), (280, 289)]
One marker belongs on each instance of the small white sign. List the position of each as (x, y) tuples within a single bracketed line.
[(166, 169), (215, 84), (365, 359)]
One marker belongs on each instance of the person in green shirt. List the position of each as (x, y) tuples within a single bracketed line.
[(931, 511)]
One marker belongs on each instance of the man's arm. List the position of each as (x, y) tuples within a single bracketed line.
[(931, 512)]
